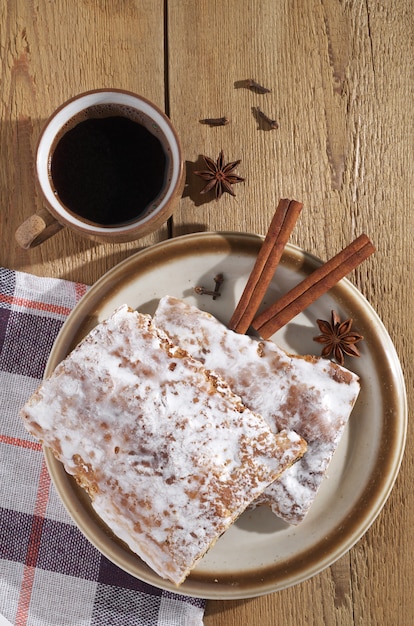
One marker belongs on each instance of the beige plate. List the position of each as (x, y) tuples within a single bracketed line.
[(260, 553)]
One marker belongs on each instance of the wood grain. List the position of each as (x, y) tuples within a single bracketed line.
[(341, 80), (339, 73), (48, 55)]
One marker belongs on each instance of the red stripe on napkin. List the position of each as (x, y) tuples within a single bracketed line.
[(32, 304), (33, 547), (21, 443)]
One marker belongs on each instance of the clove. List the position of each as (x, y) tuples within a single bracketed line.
[(202, 291), (254, 86), (215, 121), (272, 123)]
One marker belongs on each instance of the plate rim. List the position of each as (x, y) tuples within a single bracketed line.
[(192, 587)]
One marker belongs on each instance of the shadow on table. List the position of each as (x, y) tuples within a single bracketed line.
[(194, 184)]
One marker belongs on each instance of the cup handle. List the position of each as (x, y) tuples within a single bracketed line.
[(36, 229)]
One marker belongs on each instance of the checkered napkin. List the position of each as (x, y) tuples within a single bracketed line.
[(50, 575)]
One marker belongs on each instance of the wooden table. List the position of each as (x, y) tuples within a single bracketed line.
[(341, 82)]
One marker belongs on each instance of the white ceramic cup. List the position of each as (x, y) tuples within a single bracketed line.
[(55, 215)]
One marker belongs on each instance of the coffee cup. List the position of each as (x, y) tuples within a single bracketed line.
[(109, 167)]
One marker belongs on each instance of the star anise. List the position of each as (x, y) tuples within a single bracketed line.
[(338, 338), (219, 176)]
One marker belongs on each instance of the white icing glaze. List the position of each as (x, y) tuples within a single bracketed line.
[(309, 395), (168, 454)]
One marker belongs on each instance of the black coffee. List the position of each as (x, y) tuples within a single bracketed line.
[(108, 170)]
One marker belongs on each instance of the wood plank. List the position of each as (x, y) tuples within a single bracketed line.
[(341, 81), (113, 44)]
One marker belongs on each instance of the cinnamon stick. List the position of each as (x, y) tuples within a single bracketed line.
[(312, 287), (267, 260)]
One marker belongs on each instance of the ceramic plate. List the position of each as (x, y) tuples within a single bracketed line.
[(260, 553)]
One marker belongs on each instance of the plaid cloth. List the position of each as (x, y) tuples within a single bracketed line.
[(50, 575)]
